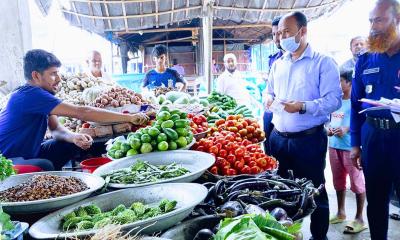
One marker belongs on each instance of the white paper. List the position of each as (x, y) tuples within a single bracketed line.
[(396, 117), (277, 106)]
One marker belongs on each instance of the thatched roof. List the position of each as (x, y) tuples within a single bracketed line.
[(244, 20)]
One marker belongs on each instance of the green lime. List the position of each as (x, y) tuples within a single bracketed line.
[(182, 132), (162, 137), (132, 152), (162, 146), (146, 148), (135, 143), (172, 145), (145, 138), (182, 142)]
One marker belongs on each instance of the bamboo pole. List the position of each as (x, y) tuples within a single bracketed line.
[(156, 7), (91, 12), (112, 1), (124, 13), (79, 19), (107, 13)]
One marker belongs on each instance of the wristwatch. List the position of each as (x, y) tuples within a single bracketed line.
[(303, 109)]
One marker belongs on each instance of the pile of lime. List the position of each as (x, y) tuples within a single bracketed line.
[(170, 131)]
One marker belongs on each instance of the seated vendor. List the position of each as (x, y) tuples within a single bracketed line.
[(33, 108), (162, 76), (95, 67)]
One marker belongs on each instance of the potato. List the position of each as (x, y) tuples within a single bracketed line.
[(104, 101), (114, 103), (122, 103)]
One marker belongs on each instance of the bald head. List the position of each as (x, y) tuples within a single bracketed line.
[(293, 25), (94, 61)]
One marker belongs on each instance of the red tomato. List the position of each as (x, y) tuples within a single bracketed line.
[(231, 117), (200, 148), (214, 150), (230, 123), (247, 158), (255, 170), (254, 140), (250, 129), (219, 161), (231, 172), (231, 158), (225, 170), (252, 163), (261, 162), (239, 151), (190, 115), (223, 153), (239, 165), (229, 138), (214, 170), (246, 142), (245, 170), (219, 146), (245, 124), (204, 124), (86, 125)]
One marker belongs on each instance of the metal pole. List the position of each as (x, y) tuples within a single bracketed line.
[(207, 22)]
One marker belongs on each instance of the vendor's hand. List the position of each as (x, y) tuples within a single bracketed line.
[(139, 118), (355, 156), (292, 106), (329, 131), (83, 141), (268, 103)]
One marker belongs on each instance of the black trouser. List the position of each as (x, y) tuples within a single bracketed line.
[(381, 165), (305, 155), (53, 155)]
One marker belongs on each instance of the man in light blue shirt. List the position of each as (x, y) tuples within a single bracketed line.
[(302, 91)]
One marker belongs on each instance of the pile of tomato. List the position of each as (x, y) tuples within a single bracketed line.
[(234, 154), (248, 128), (198, 123)]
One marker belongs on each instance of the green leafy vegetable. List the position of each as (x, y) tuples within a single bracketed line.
[(6, 168)]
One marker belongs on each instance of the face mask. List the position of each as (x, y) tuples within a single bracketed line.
[(289, 44)]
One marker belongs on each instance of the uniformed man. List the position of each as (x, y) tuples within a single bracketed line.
[(375, 136), (267, 118)]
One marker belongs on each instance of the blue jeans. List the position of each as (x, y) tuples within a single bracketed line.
[(53, 155), (381, 165), (305, 155), (268, 126)]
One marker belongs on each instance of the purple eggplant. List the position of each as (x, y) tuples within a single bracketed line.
[(279, 214)]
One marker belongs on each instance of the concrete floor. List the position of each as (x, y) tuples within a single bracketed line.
[(336, 230)]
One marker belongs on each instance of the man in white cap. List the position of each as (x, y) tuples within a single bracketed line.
[(231, 82)]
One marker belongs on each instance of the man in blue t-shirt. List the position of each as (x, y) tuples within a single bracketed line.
[(32, 108), (162, 76)]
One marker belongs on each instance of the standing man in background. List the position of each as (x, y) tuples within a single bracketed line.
[(375, 136), (232, 83), (267, 118), (303, 90), (357, 47)]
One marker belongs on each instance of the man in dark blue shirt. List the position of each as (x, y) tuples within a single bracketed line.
[(33, 108), (375, 136), (268, 125), (162, 76)]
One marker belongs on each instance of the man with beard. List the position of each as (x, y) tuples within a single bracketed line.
[(267, 118), (231, 82), (375, 136), (96, 70), (33, 108), (357, 47), (303, 90)]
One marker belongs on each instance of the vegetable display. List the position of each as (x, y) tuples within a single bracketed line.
[(248, 128), (91, 216), (6, 168), (198, 123), (181, 101), (143, 172), (256, 227), (73, 86), (293, 198), (235, 155), (43, 187), (118, 97), (218, 113), (170, 131), (224, 102)]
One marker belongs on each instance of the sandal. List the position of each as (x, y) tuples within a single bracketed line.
[(335, 220), (354, 227)]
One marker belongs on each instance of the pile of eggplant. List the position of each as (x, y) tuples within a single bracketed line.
[(287, 199)]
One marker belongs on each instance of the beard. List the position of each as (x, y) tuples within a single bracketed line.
[(381, 42)]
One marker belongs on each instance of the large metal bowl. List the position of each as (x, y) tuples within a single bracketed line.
[(165, 152), (196, 162), (46, 205), (188, 195)]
